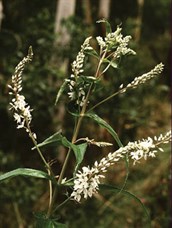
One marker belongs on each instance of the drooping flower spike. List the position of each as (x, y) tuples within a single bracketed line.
[(87, 181), (22, 111)]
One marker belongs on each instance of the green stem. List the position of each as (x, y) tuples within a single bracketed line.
[(78, 125), (107, 67), (104, 100), (100, 63), (18, 215), (47, 167), (60, 205), (39, 151), (51, 196), (75, 135)]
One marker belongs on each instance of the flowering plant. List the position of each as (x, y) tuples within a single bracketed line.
[(85, 181)]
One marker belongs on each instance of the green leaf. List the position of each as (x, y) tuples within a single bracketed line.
[(91, 52), (43, 222), (62, 88), (112, 63), (49, 224), (79, 154), (79, 150), (107, 24), (82, 148), (89, 79), (115, 189), (53, 139), (25, 172), (105, 125), (127, 172), (57, 138)]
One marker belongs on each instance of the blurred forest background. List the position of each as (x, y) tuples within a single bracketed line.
[(56, 29)]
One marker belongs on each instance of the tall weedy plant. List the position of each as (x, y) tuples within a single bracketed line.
[(86, 181)]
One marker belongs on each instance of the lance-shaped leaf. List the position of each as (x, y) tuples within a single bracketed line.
[(107, 24), (62, 88), (105, 125), (25, 172), (91, 52), (127, 172), (79, 150), (53, 139), (79, 154), (58, 138), (114, 189), (89, 79), (49, 224), (111, 62), (43, 222)]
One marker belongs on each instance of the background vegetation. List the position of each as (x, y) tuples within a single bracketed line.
[(140, 113)]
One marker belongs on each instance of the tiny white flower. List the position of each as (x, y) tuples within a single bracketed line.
[(72, 95), (100, 41), (17, 117)]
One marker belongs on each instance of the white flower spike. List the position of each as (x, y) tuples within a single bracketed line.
[(22, 111), (87, 181)]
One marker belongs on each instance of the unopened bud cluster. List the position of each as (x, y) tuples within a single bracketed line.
[(143, 78)]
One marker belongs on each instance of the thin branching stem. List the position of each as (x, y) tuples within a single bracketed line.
[(107, 67), (63, 203), (104, 100), (37, 148), (75, 135), (47, 167), (78, 125), (51, 195)]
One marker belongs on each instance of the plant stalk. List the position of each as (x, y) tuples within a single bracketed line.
[(75, 135)]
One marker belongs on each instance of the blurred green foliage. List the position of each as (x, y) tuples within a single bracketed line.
[(136, 114)]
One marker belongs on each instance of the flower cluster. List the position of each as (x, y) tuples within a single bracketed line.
[(77, 65), (115, 41), (86, 183), (22, 111), (87, 180), (122, 49), (77, 89), (143, 78)]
